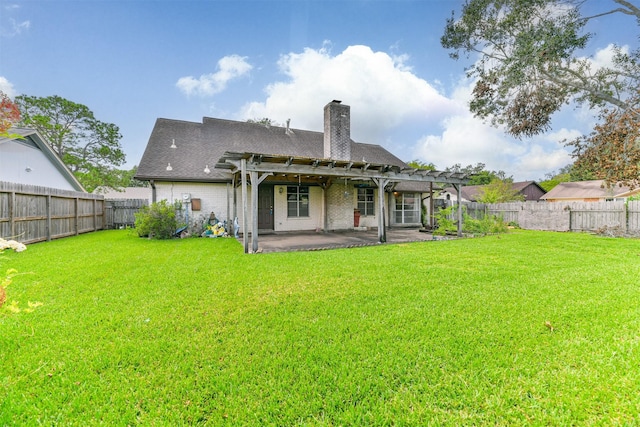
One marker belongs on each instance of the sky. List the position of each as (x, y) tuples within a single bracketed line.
[(132, 62)]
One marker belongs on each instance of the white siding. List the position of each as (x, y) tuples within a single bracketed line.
[(213, 197), (23, 164), (218, 198)]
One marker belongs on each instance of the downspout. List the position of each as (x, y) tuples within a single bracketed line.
[(153, 190)]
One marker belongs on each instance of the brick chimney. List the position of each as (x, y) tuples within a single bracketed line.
[(337, 131)]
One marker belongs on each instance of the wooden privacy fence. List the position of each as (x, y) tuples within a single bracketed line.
[(557, 216), (31, 213), (120, 213)]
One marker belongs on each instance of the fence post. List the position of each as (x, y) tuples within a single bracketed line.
[(48, 208), (12, 214), (76, 204), (626, 216)]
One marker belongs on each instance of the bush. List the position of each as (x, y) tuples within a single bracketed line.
[(488, 224), (157, 221), (444, 223)]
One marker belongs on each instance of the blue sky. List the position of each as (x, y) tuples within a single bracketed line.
[(134, 61)]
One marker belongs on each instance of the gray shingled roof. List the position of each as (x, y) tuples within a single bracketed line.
[(473, 192), (202, 144), (585, 190)]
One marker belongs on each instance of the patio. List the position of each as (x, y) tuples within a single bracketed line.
[(314, 241)]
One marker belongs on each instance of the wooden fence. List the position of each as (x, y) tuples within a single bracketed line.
[(120, 213), (31, 213), (556, 216)]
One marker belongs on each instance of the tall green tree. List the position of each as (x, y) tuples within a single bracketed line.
[(499, 191), (530, 60), (90, 148), (418, 164), (479, 174), (554, 178), (612, 151)]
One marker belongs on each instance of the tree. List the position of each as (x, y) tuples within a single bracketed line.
[(565, 174), (127, 178), (612, 151), (479, 175), (264, 121), (90, 148), (9, 115), (499, 191), (530, 61), (418, 164), (109, 178)]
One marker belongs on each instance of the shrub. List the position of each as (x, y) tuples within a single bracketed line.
[(488, 224), (444, 223), (157, 221)]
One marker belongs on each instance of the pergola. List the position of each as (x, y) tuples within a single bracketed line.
[(324, 172)]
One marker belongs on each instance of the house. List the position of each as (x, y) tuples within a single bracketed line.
[(588, 191), (531, 191), (137, 193), (305, 180), (27, 158)]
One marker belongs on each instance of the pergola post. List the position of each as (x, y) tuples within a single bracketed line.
[(431, 206), (245, 209), (325, 207), (458, 187), (382, 232), (255, 185), (254, 211)]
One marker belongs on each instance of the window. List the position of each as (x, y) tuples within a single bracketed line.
[(366, 204), (298, 201), (407, 208)]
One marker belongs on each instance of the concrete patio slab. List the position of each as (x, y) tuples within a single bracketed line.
[(313, 241)]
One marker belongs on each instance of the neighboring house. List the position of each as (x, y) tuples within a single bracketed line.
[(305, 180), (124, 193), (588, 191), (531, 191), (121, 205), (31, 160)]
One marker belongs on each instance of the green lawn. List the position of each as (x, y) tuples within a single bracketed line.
[(183, 332)]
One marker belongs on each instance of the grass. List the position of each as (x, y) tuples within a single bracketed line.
[(188, 332)]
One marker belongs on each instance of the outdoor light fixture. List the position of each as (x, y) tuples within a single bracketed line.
[(173, 143), (280, 190), (207, 170), (169, 168)]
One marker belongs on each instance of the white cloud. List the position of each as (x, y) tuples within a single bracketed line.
[(229, 68), (467, 140), (382, 91), (392, 106), (7, 87), (564, 134), (13, 28), (539, 160), (604, 57)]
